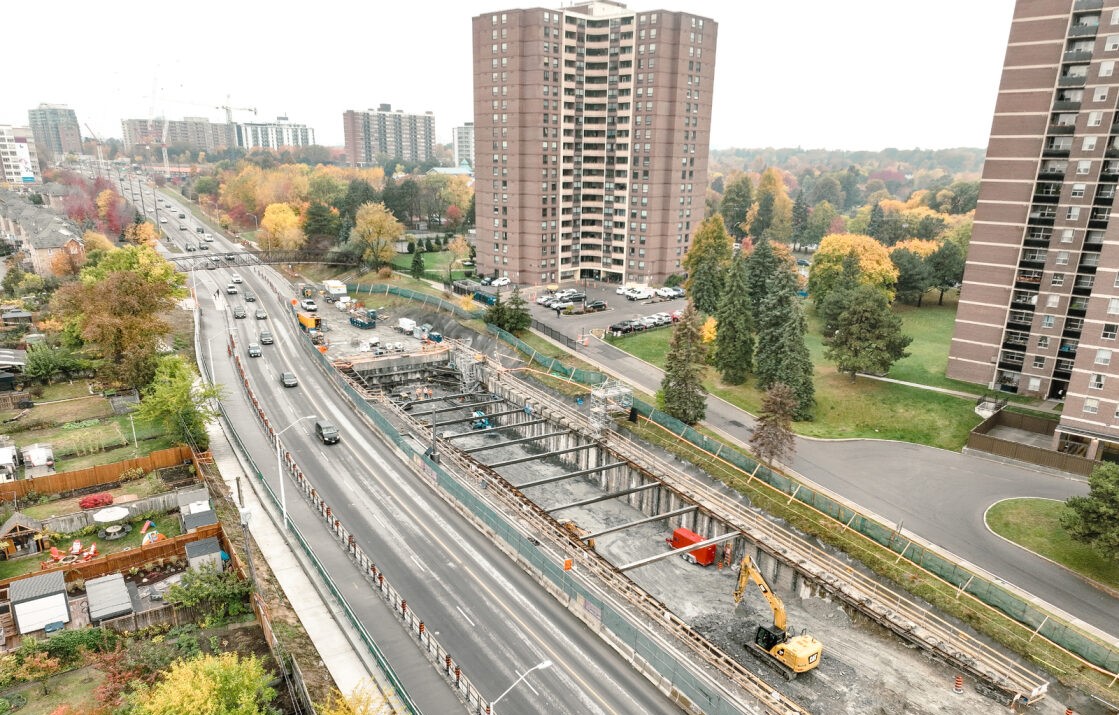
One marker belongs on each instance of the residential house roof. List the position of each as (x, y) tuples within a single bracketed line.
[(19, 522), (107, 597), (29, 589)]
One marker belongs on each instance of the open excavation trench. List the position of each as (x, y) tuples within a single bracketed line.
[(883, 653)]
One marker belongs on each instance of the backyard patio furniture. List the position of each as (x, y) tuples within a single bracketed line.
[(76, 548), (55, 553)]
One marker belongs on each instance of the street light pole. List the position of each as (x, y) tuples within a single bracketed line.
[(280, 469), (539, 666)]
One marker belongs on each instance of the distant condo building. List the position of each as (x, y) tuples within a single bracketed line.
[(200, 134), (389, 134), (592, 125), (273, 135), (1039, 306), (19, 159), (462, 144), (56, 130)]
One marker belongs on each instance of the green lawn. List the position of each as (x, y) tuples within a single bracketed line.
[(864, 408), (1035, 524), (73, 688), (434, 263)]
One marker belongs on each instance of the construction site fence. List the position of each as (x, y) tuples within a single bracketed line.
[(62, 482), (417, 296), (1039, 620), (645, 649)]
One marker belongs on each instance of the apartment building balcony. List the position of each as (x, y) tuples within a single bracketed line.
[(1068, 349), (1028, 279), (1082, 287), (1077, 56), (1061, 129), (1023, 300), (1057, 150), (1073, 326), (1011, 361), (1078, 308), (1066, 105), (1072, 80), (1020, 320), (1081, 5), (1083, 31)]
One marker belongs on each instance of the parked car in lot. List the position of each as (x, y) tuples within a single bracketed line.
[(545, 299), (288, 379), (486, 280), (621, 327), (594, 306), (649, 321), (239, 312), (666, 292), (254, 350), (803, 262), (561, 304), (639, 294), (502, 281), (308, 305), (662, 318), (678, 292)]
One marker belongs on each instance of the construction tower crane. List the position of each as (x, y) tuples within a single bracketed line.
[(229, 118), (100, 158), (791, 655)]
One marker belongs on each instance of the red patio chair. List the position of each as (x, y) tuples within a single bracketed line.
[(76, 548), (56, 555)]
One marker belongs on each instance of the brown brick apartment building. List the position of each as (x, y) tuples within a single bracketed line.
[(382, 132), (1039, 308), (592, 125)]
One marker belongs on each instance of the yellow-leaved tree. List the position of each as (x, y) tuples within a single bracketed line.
[(280, 229), (141, 234), (875, 267), (921, 247), (106, 201), (224, 684), (95, 241), (363, 700), (375, 234), (709, 329)]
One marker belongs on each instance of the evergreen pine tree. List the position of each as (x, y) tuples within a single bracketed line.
[(734, 341), (914, 276), (876, 228), (517, 315), (947, 267), (773, 436), (761, 266), (707, 262), (782, 355), (800, 220), (495, 314), (682, 392), (418, 267), (736, 204), (344, 231), (837, 300), (868, 337)]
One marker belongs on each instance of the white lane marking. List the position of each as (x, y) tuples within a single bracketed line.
[(457, 608)]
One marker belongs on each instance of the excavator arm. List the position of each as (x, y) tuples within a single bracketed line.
[(748, 572)]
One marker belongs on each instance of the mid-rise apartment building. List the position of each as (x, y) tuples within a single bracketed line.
[(19, 159), (382, 132), (200, 134), (1039, 307), (56, 130), (592, 125), (272, 135), (462, 144)]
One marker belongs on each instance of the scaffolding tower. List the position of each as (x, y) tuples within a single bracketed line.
[(466, 360), (609, 397)]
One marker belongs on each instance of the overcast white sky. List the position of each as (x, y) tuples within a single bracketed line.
[(853, 74)]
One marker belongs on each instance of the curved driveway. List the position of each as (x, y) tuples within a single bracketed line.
[(939, 495)]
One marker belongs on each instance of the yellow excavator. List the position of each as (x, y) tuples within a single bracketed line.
[(793, 655)]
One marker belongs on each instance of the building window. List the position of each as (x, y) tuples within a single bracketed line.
[(1091, 406), (1047, 320), (1058, 279), (1110, 330), (1112, 43), (1035, 384), (1095, 119), (1039, 362), (1113, 306), (1073, 213), (1083, 167), (1103, 357), (1077, 193), (1100, 94), (1067, 234), (1096, 382), (1052, 301), (1088, 144), (1062, 258), (1043, 342)]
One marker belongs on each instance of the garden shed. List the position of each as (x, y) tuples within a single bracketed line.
[(39, 601), (107, 597), (21, 534), (204, 551), (9, 459), (202, 517), (38, 460)]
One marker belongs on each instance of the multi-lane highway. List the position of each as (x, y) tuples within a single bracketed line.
[(496, 620)]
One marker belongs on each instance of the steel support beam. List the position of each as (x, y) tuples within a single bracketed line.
[(676, 552), (568, 475), (646, 520), (534, 457), (514, 441), (468, 406), (491, 429), (604, 497), (448, 397), (468, 419)]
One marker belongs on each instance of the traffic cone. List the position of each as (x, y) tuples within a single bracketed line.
[(959, 686)]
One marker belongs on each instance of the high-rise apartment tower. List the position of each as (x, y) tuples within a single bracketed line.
[(56, 130), (591, 132), (1039, 308), (382, 134)]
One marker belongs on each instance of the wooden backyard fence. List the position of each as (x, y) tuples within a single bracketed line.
[(94, 476)]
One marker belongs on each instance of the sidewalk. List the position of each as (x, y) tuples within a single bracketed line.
[(317, 615)]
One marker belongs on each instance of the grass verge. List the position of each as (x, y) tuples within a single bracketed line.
[(74, 687), (1036, 525)]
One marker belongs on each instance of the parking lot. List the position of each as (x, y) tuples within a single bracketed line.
[(618, 309)]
